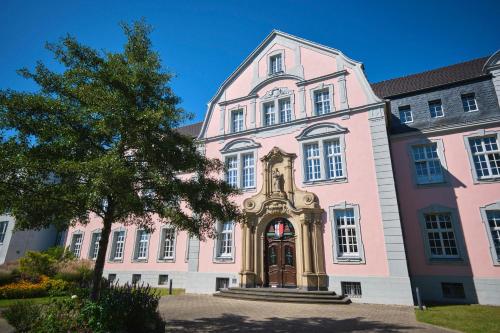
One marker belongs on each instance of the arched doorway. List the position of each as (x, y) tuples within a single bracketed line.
[(279, 253)]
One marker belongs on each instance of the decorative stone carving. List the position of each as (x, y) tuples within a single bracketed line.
[(277, 92), (278, 183), (280, 197)]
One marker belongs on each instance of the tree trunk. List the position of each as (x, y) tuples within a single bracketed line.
[(101, 258)]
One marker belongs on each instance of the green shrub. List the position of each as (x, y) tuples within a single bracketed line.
[(130, 309), (60, 253), (9, 272), (35, 264), (62, 316), (77, 271), (22, 315), (57, 287), (120, 309)]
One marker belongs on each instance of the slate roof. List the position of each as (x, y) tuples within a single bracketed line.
[(407, 84), (437, 77)]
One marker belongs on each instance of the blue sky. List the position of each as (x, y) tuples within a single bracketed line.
[(204, 41)]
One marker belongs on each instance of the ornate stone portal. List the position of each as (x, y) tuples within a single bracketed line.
[(280, 197)]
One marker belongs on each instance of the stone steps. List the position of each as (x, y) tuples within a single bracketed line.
[(283, 295)]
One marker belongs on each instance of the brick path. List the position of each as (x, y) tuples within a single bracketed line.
[(202, 313)]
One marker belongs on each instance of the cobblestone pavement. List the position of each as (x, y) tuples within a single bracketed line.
[(203, 313)]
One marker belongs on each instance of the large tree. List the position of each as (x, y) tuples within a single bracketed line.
[(99, 140)]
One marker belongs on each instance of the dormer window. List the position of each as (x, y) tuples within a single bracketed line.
[(276, 64)]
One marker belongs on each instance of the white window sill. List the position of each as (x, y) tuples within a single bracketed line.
[(487, 180), (349, 260), (140, 260), (442, 260), (117, 260), (224, 259), (324, 181), (276, 73), (166, 260), (432, 184)]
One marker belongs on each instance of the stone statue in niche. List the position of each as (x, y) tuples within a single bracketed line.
[(277, 182)]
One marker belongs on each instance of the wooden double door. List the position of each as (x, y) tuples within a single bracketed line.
[(280, 255)]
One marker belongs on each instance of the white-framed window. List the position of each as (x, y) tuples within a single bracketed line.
[(485, 155), (248, 170), (322, 101), (277, 106), (232, 170), (427, 163), (240, 170), (285, 107), (118, 245), (76, 244), (441, 237), (3, 230), (469, 102), (405, 115), (323, 152), (167, 243), (490, 216), (312, 162), (493, 217), (436, 109), (237, 121), (269, 114), (276, 64), (328, 165), (225, 240), (335, 166), (142, 245), (347, 243), (94, 245)]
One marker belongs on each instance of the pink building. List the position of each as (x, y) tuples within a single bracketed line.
[(309, 142)]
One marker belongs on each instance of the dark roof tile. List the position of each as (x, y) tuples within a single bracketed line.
[(191, 130), (433, 78)]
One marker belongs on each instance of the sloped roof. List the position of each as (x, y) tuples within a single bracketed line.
[(437, 77), (191, 130)]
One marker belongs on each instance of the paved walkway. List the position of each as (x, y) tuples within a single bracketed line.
[(203, 313)]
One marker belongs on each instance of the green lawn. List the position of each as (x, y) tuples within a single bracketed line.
[(4, 303), (175, 291), (465, 318)]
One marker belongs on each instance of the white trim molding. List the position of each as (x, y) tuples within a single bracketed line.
[(442, 161), (323, 134), (161, 244), (274, 96), (217, 258), (461, 256), (321, 87), (137, 240), (495, 255), (91, 250), (112, 245), (72, 245), (481, 134), (347, 259)]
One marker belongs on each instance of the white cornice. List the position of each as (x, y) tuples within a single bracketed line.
[(321, 78), (300, 121)]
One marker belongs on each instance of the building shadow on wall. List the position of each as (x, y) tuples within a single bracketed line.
[(446, 197), (236, 323)]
